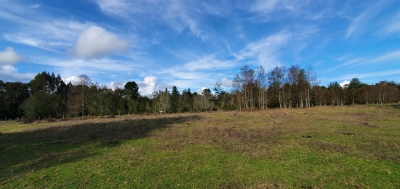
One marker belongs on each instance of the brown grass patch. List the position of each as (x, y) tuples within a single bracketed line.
[(332, 147)]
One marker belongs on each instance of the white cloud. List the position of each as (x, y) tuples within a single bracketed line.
[(116, 84), (9, 56), (345, 82), (96, 42), (226, 82), (72, 79), (200, 90), (10, 73), (148, 85)]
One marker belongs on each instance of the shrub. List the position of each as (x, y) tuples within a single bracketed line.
[(50, 120), (26, 120)]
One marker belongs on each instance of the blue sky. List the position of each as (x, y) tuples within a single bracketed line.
[(194, 43)]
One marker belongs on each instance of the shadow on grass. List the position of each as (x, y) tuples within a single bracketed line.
[(396, 106), (34, 150)]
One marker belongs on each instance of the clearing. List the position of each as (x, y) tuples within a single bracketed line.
[(319, 147)]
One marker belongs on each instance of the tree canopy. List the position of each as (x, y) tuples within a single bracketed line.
[(47, 95)]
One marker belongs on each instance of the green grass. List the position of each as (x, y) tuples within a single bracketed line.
[(320, 147)]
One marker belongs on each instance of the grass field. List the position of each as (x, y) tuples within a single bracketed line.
[(320, 147)]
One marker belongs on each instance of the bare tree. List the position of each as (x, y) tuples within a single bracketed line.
[(262, 88), (245, 82), (163, 101), (276, 81)]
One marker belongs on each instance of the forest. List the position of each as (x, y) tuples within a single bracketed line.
[(48, 96)]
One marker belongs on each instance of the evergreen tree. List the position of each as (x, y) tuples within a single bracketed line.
[(175, 97)]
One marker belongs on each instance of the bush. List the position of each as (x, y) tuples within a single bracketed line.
[(26, 120), (50, 120)]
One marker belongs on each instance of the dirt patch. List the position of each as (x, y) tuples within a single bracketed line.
[(332, 147), (366, 124), (345, 133)]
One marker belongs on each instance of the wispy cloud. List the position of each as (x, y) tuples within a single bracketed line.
[(388, 57), (176, 15), (209, 62), (347, 63), (194, 78), (52, 35), (393, 25), (265, 6), (101, 65), (283, 9), (161, 43), (369, 74), (361, 21), (38, 29), (35, 6), (267, 50), (100, 69), (117, 7)]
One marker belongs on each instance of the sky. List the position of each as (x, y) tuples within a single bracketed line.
[(195, 44)]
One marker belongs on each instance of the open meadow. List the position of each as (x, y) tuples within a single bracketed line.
[(318, 147)]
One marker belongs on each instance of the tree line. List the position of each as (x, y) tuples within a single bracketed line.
[(48, 96)]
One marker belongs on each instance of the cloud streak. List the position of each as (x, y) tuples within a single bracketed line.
[(393, 25), (266, 51), (369, 74), (361, 21), (176, 15), (38, 29), (388, 57)]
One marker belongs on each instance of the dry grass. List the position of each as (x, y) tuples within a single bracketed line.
[(356, 131)]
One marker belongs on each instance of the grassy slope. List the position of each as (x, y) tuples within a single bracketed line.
[(322, 147)]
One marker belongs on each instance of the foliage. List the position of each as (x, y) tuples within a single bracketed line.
[(294, 87), (131, 90), (12, 95)]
